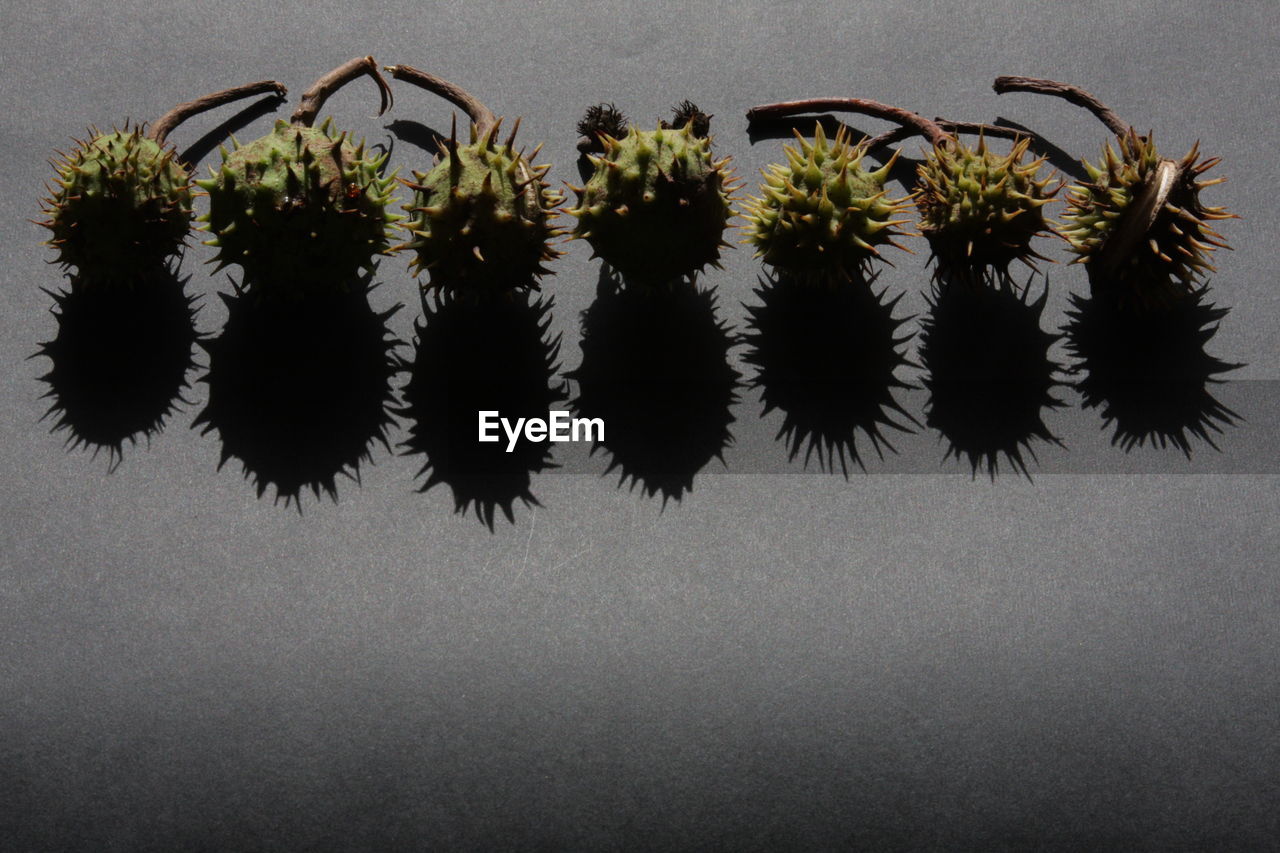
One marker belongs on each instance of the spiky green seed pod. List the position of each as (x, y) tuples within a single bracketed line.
[(657, 204), (301, 204), (979, 210), (821, 212), (1139, 223), (122, 203), (481, 219)]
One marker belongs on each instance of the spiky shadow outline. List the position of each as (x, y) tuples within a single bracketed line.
[(472, 354), (988, 372), (119, 360), (1146, 369), (300, 387), (826, 352), (655, 369)]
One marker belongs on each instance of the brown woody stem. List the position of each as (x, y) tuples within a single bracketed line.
[(1073, 94), (953, 127), (163, 126), (313, 99), (929, 129), (481, 116)]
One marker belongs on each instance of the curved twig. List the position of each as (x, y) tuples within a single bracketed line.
[(313, 99), (954, 128), (481, 116), (929, 129), (163, 126), (482, 119), (1068, 92)]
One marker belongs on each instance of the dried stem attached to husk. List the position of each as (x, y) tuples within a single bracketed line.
[(1066, 91), (313, 99), (928, 128), (160, 129), (1149, 201), (955, 128), (481, 116)]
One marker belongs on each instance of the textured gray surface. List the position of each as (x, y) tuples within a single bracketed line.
[(911, 659)]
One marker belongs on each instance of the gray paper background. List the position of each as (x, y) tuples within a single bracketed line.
[(910, 658)]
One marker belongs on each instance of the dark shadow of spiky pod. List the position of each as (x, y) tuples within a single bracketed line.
[(1145, 367), (655, 370), (120, 358), (826, 351), (988, 373), (481, 353), (300, 388)]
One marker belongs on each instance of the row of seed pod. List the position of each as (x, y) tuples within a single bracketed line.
[(1137, 222), (305, 206)]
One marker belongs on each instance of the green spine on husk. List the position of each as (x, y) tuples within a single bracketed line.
[(481, 218), (657, 204), (821, 212), (980, 210), (302, 204), (122, 204), (1167, 248)]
